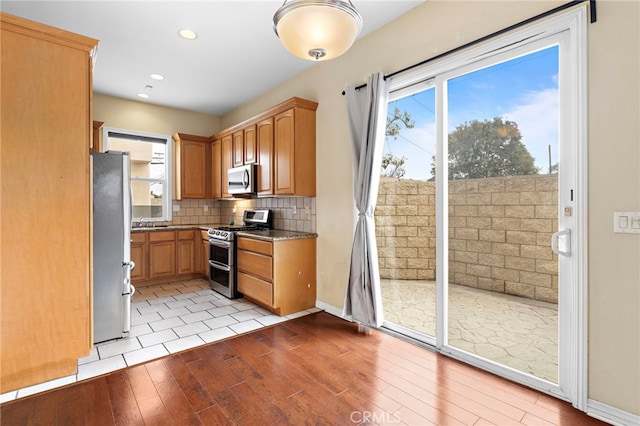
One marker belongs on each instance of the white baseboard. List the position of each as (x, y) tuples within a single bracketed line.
[(333, 310), (610, 414)]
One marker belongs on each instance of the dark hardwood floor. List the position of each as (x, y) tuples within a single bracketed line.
[(315, 369)]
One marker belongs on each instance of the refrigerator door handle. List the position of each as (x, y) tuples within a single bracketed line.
[(126, 321)]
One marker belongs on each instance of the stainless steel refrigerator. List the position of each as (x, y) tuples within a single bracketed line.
[(112, 289)]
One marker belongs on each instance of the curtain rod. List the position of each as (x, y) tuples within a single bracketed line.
[(592, 7)]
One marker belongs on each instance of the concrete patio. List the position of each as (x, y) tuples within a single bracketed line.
[(513, 331)]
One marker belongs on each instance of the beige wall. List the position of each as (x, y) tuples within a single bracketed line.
[(614, 176), (144, 117)]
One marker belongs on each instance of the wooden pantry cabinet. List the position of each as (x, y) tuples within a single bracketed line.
[(45, 169), (279, 275), (193, 167)]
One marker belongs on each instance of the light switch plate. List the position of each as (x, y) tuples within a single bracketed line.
[(626, 222)]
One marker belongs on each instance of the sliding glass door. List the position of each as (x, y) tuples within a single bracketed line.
[(503, 169), (477, 219)]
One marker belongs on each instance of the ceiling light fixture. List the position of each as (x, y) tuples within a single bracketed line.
[(143, 95), (188, 34), (157, 77), (317, 29)]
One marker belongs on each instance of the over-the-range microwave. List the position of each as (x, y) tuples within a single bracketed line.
[(243, 179)]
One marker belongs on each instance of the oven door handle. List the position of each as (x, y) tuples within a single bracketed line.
[(221, 266), (217, 243)]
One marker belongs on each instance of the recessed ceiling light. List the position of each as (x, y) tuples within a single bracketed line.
[(157, 77), (143, 95), (188, 34)]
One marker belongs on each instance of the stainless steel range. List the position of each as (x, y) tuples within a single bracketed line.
[(222, 250)]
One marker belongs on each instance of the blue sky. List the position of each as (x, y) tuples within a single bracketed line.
[(524, 90)]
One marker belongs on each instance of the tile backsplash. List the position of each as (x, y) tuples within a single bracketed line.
[(291, 213)]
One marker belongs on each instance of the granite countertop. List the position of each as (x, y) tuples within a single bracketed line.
[(174, 227), (264, 235), (276, 235)]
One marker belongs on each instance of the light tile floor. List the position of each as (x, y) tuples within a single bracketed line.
[(513, 331), (167, 319)]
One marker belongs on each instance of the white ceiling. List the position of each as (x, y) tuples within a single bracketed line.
[(235, 58)]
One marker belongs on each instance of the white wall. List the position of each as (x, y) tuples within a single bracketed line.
[(614, 176)]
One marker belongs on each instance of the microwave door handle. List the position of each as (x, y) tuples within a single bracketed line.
[(245, 179)]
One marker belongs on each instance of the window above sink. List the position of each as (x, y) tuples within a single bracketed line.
[(150, 173)]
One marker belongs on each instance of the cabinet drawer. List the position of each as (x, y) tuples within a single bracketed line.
[(138, 237), (255, 264), (255, 288), (187, 235), (204, 235), (162, 236), (264, 247)]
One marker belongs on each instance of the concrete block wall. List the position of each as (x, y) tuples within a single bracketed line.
[(499, 233)]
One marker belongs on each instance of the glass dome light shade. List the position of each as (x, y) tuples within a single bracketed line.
[(317, 30)]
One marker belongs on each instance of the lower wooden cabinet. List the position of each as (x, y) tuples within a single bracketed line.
[(165, 256), (278, 275), (186, 252), (162, 254), (139, 254), (203, 260)]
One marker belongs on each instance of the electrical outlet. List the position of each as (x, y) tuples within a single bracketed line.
[(205, 208), (176, 208), (294, 210), (235, 209), (307, 211)]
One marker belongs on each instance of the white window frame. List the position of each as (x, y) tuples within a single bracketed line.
[(572, 26), (167, 187)]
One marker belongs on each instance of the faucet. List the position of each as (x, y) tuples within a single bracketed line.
[(141, 222)]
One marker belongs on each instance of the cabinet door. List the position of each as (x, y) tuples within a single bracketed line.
[(284, 147), (264, 142), (193, 169), (162, 259), (250, 147), (205, 258), (238, 148), (216, 169), (186, 252), (138, 257), (226, 162), (186, 257)]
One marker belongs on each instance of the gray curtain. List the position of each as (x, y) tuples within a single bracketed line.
[(367, 109)]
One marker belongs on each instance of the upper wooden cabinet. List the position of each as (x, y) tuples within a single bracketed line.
[(264, 142), (193, 167), (226, 162), (238, 148), (45, 169), (295, 152), (250, 148), (282, 141), (216, 169)]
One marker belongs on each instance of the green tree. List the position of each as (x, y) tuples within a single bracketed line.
[(393, 166), (482, 149)]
